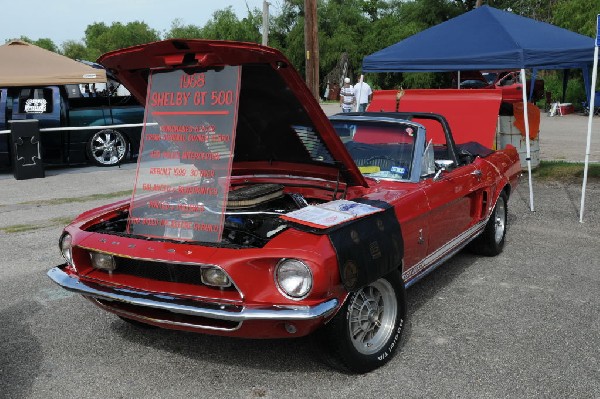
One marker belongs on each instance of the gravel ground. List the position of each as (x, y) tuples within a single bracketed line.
[(523, 324)]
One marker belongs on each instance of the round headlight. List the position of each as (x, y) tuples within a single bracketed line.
[(293, 278), (66, 245)]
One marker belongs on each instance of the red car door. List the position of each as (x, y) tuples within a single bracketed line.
[(454, 208), (413, 215)]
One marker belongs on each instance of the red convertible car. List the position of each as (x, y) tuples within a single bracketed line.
[(254, 215)]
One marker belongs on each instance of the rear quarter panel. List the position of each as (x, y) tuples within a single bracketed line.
[(508, 165)]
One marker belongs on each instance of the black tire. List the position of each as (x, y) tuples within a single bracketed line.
[(366, 332), (491, 240), (107, 147)]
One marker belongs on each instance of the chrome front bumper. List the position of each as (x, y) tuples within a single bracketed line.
[(188, 306)]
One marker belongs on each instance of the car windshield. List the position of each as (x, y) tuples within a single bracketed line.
[(380, 150)]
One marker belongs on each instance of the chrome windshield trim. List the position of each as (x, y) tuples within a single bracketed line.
[(188, 307), (376, 118)]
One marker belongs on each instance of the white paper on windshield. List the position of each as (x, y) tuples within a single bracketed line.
[(186, 154), (330, 213)]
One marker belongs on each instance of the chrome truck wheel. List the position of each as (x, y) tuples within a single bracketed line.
[(107, 147)]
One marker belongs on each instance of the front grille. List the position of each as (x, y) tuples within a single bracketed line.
[(161, 271)]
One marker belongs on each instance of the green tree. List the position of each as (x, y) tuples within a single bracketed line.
[(354, 27), (540, 10), (522, 7), (287, 21), (100, 38), (576, 15), (47, 44), (427, 13), (225, 25), (21, 38), (180, 31), (398, 21), (342, 27), (75, 50), (371, 8)]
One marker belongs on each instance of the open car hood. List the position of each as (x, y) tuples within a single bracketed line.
[(274, 106)]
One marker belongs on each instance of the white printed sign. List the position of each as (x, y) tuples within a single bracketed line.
[(184, 168), (35, 106), (330, 213)]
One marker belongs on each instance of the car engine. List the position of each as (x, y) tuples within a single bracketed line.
[(251, 218)]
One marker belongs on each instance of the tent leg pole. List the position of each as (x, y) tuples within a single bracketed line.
[(527, 135), (530, 184), (589, 132)]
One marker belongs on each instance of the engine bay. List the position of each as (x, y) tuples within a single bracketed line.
[(251, 219)]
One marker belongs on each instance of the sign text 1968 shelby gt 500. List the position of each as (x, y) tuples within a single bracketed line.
[(255, 216)]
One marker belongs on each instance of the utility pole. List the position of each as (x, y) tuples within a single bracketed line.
[(311, 44), (265, 23)]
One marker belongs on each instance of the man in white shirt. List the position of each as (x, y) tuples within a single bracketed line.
[(363, 94), (347, 98)]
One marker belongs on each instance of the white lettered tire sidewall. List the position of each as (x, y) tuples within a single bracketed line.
[(386, 340)]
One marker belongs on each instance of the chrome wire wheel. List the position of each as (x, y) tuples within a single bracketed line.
[(372, 317), (107, 147), (500, 220)]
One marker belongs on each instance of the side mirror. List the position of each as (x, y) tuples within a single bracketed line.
[(441, 166)]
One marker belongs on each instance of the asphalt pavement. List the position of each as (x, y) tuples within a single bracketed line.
[(520, 325)]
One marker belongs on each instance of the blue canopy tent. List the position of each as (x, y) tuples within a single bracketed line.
[(485, 39), (488, 39)]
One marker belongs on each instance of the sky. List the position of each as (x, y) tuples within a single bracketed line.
[(62, 20)]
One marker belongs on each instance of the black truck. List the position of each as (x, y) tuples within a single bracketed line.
[(67, 107)]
